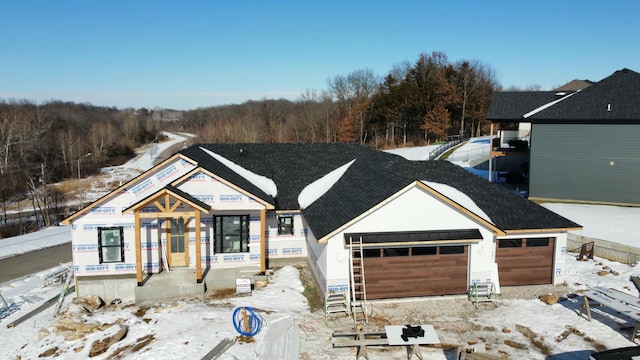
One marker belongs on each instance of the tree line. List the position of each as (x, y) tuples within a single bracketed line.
[(43, 144), (416, 103), (427, 101)]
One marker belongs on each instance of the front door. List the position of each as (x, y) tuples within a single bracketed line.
[(178, 246)]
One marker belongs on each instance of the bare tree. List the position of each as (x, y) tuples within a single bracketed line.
[(475, 82)]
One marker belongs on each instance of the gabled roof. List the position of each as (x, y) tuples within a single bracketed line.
[(176, 193), (507, 210), (369, 181), (575, 85), (512, 105), (374, 177), (290, 166), (214, 166), (614, 99)]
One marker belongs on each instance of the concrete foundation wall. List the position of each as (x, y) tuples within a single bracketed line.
[(146, 296), (605, 249), (108, 287)]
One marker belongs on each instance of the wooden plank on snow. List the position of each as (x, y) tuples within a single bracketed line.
[(614, 304), (219, 349)]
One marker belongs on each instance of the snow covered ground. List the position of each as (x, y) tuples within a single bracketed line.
[(58, 235), (190, 328), (145, 160), (51, 236)]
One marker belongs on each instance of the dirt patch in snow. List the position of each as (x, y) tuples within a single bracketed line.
[(141, 342), (454, 318)]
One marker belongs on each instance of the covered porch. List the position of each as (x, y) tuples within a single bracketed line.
[(180, 265), (180, 211)]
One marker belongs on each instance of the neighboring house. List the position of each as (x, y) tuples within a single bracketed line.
[(426, 227), (511, 131), (583, 144)]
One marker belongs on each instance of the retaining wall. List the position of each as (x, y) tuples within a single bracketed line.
[(605, 249)]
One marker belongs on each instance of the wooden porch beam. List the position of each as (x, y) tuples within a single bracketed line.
[(175, 205), (136, 229), (490, 152), (159, 206), (168, 215), (198, 250), (167, 245), (263, 241)]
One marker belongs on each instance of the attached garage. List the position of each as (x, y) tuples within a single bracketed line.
[(412, 264), (526, 261)]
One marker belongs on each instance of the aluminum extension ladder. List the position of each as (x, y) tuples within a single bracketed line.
[(358, 287)]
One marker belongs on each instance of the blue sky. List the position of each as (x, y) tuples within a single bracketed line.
[(190, 54)]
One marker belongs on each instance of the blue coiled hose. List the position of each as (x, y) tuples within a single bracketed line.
[(253, 323)]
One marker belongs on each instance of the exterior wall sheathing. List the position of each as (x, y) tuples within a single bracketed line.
[(116, 278)]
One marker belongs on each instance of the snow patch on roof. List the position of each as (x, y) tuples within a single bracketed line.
[(262, 182), (316, 189), (416, 153), (548, 105), (459, 197)]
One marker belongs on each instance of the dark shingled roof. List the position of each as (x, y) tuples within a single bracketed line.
[(291, 166), (506, 209), (613, 99), (371, 179), (574, 85), (511, 105), (207, 162), (188, 197), (415, 236)]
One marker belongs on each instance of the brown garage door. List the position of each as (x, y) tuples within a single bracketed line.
[(525, 261), (417, 271)]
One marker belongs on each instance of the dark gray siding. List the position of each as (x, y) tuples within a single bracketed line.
[(585, 162)]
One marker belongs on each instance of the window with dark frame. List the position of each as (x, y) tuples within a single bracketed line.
[(231, 234), (395, 252), (538, 242), (449, 250), (372, 253), (422, 251), (111, 244), (415, 251), (510, 243), (285, 225)]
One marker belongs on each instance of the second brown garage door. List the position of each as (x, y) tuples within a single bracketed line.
[(525, 261), (416, 271)]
